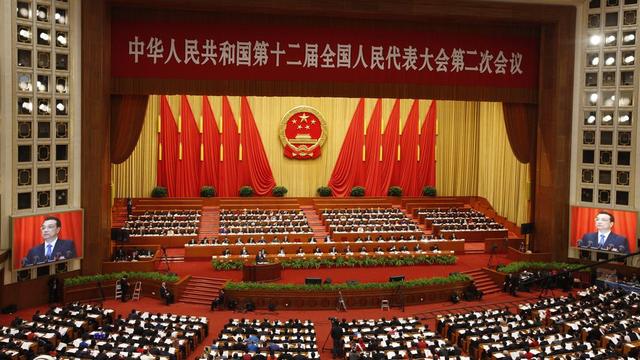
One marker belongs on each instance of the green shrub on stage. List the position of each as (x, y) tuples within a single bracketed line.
[(344, 261), (324, 191), (80, 280), (451, 279), (518, 266), (279, 191)]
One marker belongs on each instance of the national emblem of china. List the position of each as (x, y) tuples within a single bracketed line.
[(302, 133)]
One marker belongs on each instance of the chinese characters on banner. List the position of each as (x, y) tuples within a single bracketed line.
[(232, 52)]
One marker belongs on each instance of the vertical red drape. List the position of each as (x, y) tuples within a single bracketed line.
[(27, 234), (229, 179), (168, 148), (349, 163), (427, 163), (389, 152), (372, 153), (127, 118), (408, 164), (257, 163), (582, 222), (188, 167), (209, 170)]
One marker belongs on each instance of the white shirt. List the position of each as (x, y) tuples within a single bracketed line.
[(606, 235), (53, 246)]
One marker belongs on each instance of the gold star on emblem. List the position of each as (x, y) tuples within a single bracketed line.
[(299, 127), (304, 117), (294, 121)]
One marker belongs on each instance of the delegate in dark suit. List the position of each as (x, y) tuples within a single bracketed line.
[(52, 248), (612, 242), (604, 222), (63, 249)]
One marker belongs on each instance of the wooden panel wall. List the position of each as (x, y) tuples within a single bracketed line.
[(96, 115)]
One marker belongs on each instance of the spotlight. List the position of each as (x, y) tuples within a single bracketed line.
[(44, 108), (591, 119), (593, 98), (24, 35), (610, 61), (607, 118), (27, 105), (40, 86), (629, 38), (62, 40), (629, 60), (595, 61), (595, 39), (41, 14), (623, 118), (44, 36), (60, 106), (609, 39)]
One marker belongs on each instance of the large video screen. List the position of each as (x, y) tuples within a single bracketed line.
[(609, 230), (47, 238)]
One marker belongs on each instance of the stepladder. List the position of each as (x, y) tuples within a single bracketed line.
[(118, 290), (342, 305), (137, 290)]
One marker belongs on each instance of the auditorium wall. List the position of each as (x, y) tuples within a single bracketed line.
[(473, 155)]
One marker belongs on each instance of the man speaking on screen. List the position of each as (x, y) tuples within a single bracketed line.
[(604, 238), (53, 249)]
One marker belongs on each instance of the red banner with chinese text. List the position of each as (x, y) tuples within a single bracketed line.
[(227, 50)]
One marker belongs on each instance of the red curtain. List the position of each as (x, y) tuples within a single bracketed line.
[(27, 234), (520, 121), (372, 152), (349, 163), (427, 163), (229, 165), (188, 167), (408, 164), (582, 222), (209, 170), (127, 119), (389, 152), (168, 148), (256, 160)]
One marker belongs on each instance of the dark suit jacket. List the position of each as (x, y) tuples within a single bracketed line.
[(613, 241), (63, 248)]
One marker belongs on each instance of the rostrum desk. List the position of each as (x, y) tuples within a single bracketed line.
[(261, 272)]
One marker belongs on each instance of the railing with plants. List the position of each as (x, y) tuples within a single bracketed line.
[(518, 266), (424, 282), (344, 261), (80, 280)]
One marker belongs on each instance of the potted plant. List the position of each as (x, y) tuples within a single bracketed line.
[(246, 191), (395, 191), (207, 191), (279, 191), (429, 191), (159, 192), (357, 191), (324, 191)]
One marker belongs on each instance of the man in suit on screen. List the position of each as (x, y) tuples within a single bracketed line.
[(604, 238), (53, 249)]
